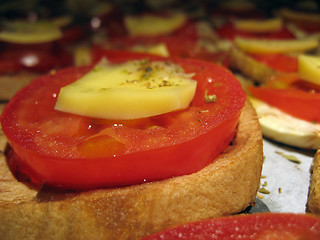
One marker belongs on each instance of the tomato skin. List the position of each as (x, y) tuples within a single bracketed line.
[(183, 142), (294, 101), (261, 226)]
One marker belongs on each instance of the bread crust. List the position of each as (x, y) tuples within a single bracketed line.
[(226, 186), (313, 204)]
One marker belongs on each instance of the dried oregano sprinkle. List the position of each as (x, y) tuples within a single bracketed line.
[(209, 98)]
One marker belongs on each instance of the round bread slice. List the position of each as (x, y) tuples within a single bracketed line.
[(226, 186), (313, 204)]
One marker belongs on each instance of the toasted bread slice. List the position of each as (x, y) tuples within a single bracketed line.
[(313, 204), (227, 186)]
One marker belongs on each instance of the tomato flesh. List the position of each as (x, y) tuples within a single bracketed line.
[(52, 150), (254, 226)]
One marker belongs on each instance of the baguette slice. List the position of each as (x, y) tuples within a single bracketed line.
[(226, 186), (313, 204)]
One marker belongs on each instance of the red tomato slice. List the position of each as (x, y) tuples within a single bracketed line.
[(271, 226), (72, 34), (187, 30), (308, 27), (183, 42), (178, 46), (279, 62), (110, 22), (34, 57), (295, 101), (228, 31), (72, 151)]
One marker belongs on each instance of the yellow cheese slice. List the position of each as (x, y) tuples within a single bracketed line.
[(30, 32), (258, 26), (152, 25), (158, 49), (275, 46), (131, 90), (309, 68)]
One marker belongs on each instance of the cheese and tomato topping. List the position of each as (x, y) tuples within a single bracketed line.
[(152, 25), (131, 90), (69, 150), (293, 114)]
